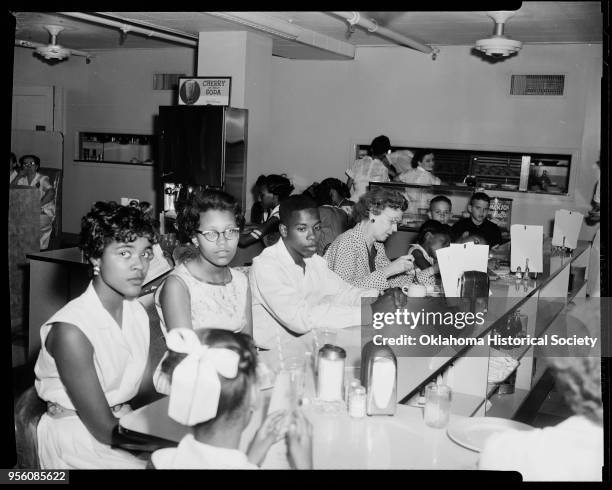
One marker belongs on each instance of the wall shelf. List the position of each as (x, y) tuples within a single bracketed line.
[(113, 147)]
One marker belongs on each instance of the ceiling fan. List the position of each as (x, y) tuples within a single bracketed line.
[(53, 51), (498, 45)]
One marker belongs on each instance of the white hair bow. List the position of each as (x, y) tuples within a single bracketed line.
[(196, 387)]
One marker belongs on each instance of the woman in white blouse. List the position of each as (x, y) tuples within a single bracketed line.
[(421, 173)]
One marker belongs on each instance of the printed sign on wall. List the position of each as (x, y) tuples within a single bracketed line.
[(205, 91)]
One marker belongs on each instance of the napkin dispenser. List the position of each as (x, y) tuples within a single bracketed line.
[(474, 288), (379, 377)]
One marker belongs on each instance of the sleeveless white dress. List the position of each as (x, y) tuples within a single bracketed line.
[(120, 358)]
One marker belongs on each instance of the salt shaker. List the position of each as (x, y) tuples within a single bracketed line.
[(357, 402), (330, 373)]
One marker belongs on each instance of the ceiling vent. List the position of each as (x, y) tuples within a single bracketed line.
[(537, 84)]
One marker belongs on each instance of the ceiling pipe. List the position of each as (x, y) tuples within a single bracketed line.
[(355, 18), (32, 44), (132, 26)]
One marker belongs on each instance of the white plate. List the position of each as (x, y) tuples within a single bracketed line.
[(473, 432)]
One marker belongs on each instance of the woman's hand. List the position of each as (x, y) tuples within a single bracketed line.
[(400, 265), (271, 431), (299, 442)]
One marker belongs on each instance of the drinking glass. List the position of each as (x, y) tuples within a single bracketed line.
[(295, 367), (437, 405)]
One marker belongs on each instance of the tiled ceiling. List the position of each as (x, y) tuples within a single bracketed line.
[(535, 22)]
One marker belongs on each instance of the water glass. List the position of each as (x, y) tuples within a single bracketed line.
[(295, 367), (437, 405)]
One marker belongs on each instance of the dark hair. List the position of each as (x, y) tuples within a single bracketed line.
[(434, 227), (279, 185), (419, 155), (478, 239), (188, 218), (32, 157), (324, 188), (380, 145), (479, 196), (233, 391), (108, 222), (294, 204), (261, 180), (440, 199), (377, 199)]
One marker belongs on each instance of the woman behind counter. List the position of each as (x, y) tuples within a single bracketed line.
[(358, 255), (421, 173)]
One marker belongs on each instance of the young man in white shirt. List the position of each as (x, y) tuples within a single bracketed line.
[(293, 290)]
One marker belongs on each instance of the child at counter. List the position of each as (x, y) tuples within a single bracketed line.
[(214, 391), (95, 349), (440, 209), (478, 223), (433, 236)]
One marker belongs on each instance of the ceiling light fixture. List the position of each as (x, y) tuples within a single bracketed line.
[(498, 45), (53, 51)]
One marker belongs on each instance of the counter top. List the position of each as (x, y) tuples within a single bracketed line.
[(402, 441)]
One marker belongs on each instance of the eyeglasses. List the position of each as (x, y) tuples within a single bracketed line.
[(213, 236), (29, 164)]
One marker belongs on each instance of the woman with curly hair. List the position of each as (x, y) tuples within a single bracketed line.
[(272, 190), (95, 349), (358, 255), (573, 449), (203, 291)]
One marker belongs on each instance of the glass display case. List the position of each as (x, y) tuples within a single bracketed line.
[(126, 148), (541, 173)]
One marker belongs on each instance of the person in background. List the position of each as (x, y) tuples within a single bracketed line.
[(214, 391), (373, 168), (478, 223), (433, 236), (204, 292), (593, 218), (13, 167), (420, 173), (358, 255), (273, 191), (334, 220), (293, 289), (334, 192), (258, 214), (29, 176), (401, 161), (94, 350), (574, 449), (440, 209)]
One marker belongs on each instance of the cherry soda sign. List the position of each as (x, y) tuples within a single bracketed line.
[(204, 91)]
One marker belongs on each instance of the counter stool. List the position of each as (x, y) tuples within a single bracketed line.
[(28, 410)]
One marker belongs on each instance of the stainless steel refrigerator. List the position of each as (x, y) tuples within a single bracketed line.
[(204, 147)]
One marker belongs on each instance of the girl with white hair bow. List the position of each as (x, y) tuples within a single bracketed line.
[(214, 391)]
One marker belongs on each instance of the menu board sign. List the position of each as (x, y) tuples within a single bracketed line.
[(205, 91), (500, 213)]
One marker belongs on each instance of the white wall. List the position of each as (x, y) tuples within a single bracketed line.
[(320, 109), (113, 93)]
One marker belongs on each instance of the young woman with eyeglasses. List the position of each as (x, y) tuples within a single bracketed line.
[(203, 291)]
